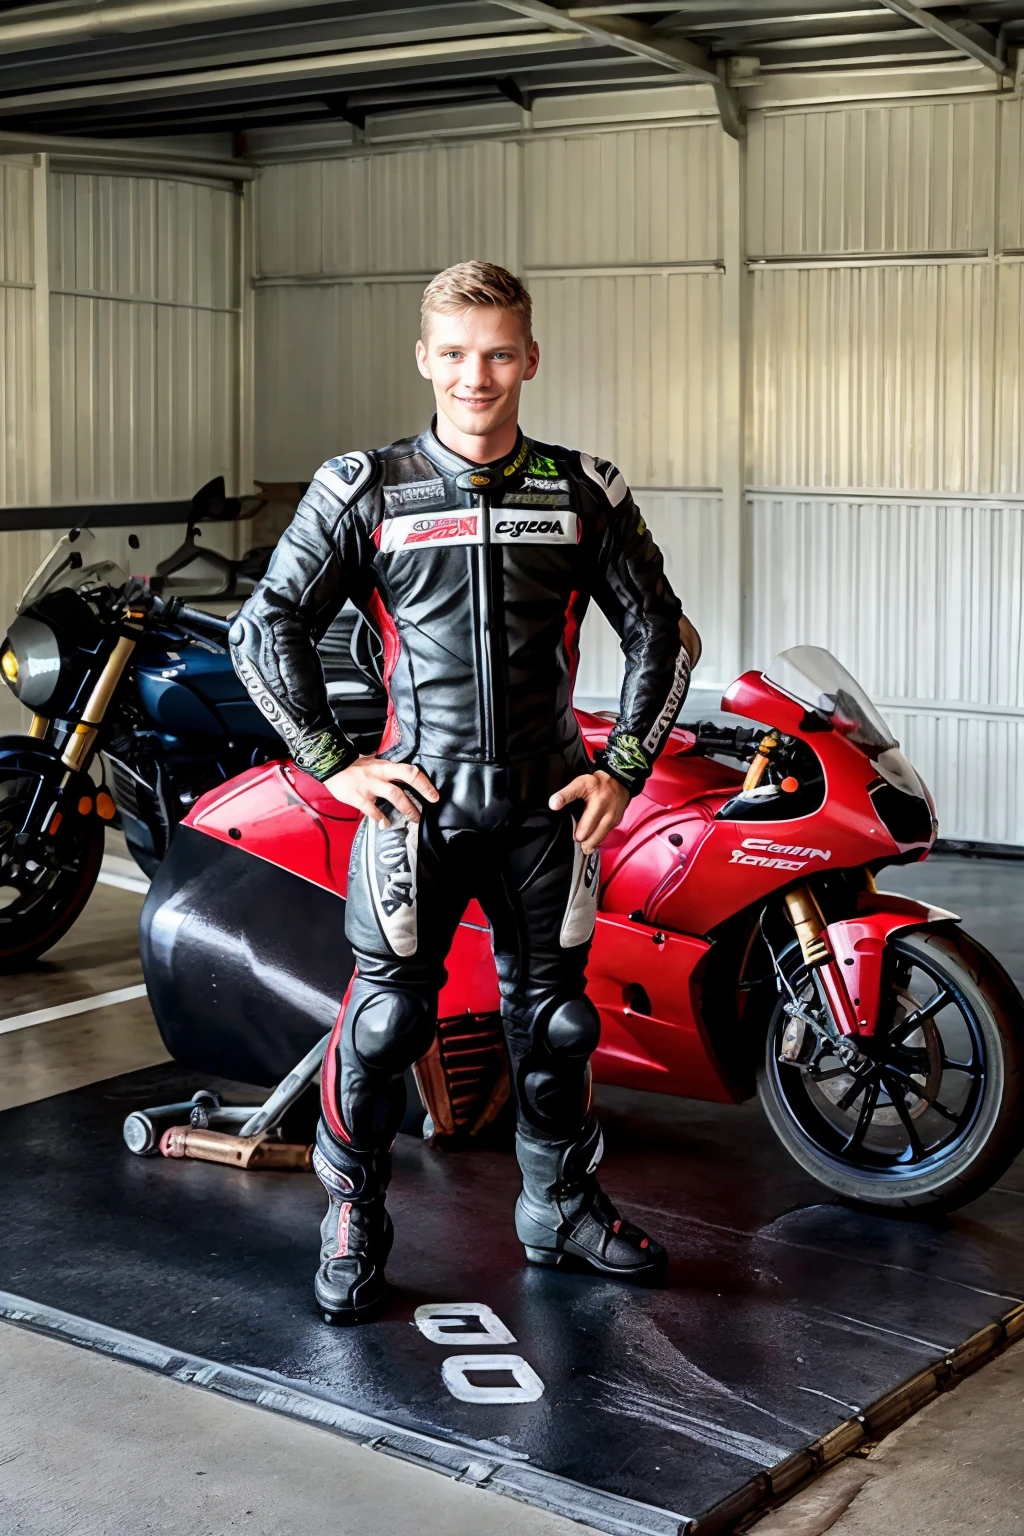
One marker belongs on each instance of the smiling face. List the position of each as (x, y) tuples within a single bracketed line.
[(477, 359)]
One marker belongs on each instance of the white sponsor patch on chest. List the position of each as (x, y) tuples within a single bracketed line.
[(527, 525), (427, 530)]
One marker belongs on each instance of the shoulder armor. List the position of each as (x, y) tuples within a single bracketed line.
[(606, 476), (347, 476)]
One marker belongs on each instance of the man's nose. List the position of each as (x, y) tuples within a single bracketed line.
[(476, 371)]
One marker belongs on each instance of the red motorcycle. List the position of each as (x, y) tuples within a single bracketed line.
[(741, 944)]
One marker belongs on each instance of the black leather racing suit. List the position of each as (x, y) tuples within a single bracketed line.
[(477, 578)]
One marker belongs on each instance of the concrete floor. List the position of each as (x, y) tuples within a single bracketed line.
[(90, 1445)]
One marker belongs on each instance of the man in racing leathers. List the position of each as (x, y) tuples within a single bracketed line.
[(474, 552)]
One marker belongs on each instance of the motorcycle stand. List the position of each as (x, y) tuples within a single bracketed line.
[(242, 1135)]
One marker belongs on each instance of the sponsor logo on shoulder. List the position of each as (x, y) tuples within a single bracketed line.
[(541, 465), (413, 493), (419, 532), (512, 525), (539, 484), (348, 467), (765, 854), (345, 475)]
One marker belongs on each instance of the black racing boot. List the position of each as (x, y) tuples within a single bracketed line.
[(356, 1236), (563, 1213)]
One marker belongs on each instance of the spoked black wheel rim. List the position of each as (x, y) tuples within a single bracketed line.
[(908, 1104), (40, 880)]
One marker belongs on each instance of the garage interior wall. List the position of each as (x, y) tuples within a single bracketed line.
[(805, 355), (120, 329)]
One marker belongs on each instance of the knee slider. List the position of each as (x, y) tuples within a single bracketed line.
[(390, 1030), (574, 1028)]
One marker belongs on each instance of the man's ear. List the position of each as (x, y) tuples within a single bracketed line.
[(421, 359), (532, 361)]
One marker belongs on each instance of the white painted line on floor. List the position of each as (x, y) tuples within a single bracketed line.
[(66, 1010), (123, 883), (123, 874)]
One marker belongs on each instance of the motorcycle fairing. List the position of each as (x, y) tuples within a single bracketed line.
[(245, 963), (287, 825), (853, 981)]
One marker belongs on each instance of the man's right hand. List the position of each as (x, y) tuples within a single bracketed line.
[(370, 779)]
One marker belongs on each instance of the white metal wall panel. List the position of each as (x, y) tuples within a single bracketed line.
[(139, 237), (1008, 432), (144, 399), (623, 199), (872, 179), (335, 370), (877, 377), (144, 337), (415, 210), (1011, 176), (15, 223), (17, 336), (921, 601), (688, 530), (629, 370), (17, 395), (971, 764)]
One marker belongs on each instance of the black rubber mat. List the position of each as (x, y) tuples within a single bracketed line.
[(784, 1314)]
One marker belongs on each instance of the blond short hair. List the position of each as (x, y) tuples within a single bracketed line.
[(472, 284)]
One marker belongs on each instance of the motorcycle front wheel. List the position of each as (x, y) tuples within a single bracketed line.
[(44, 885), (933, 1112)]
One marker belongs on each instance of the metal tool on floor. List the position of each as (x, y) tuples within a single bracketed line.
[(241, 1135)]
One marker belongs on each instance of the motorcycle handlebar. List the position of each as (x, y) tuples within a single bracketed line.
[(175, 611), (737, 741)]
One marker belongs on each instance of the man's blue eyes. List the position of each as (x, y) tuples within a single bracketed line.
[(498, 357)]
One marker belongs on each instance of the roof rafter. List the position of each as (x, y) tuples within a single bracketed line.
[(283, 71), (977, 44), (687, 59)]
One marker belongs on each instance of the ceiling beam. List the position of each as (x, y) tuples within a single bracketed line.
[(284, 71), (676, 53), (53, 25), (976, 44)]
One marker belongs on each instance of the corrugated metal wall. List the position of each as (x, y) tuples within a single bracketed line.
[(17, 335), (143, 280), (886, 358), (145, 303), (883, 339), (618, 234)]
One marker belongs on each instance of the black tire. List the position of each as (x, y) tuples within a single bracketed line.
[(987, 1129), (37, 912)]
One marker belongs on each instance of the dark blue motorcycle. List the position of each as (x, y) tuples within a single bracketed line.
[(136, 713)]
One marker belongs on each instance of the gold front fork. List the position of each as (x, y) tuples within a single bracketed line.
[(808, 920), (80, 742), (39, 727)]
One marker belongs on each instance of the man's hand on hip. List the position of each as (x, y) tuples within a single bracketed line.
[(604, 805), (370, 779)]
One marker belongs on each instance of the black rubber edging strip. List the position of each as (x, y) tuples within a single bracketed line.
[(771, 1489), (480, 1463)]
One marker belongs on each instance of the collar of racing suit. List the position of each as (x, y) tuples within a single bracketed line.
[(484, 476)]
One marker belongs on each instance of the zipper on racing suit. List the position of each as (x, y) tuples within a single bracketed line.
[(486, 638)]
